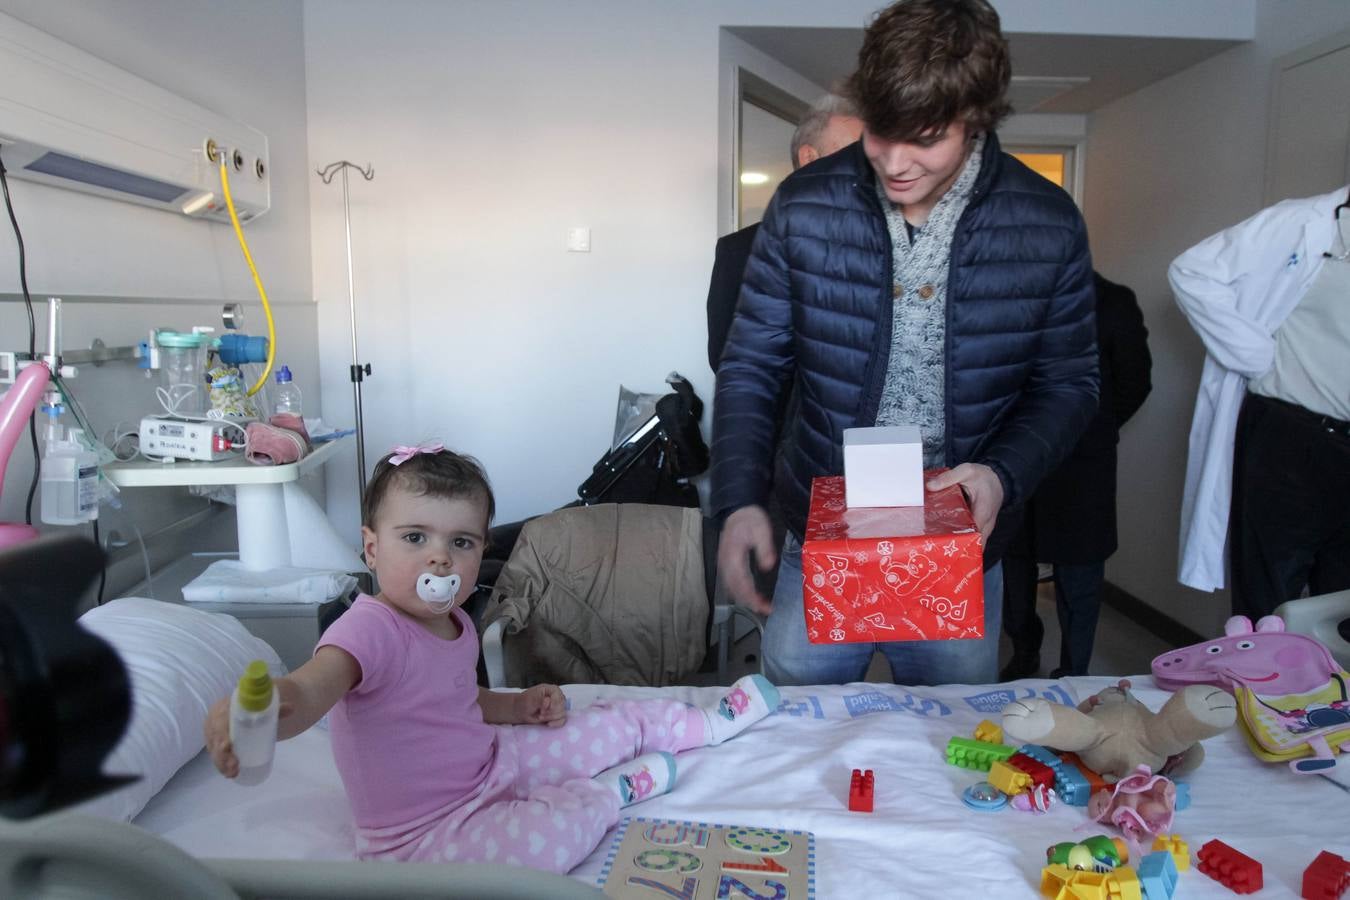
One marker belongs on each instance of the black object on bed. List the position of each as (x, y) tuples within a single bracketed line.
[(64, 694)]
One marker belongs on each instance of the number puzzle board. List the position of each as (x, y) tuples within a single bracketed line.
[(651, 858)]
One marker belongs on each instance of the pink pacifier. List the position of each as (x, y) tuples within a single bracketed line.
[(438, 591)]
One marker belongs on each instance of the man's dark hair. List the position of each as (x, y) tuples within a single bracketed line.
[(926, 63), (438, 474)]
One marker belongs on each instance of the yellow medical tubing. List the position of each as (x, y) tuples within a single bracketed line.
[(248, 258)]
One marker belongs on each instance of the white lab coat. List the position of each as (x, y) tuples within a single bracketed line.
[(1236, 288)]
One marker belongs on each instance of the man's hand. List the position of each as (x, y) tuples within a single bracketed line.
[(543, 704), (982, 487), (745, 530)]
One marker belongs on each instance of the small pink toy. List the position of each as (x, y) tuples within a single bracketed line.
[(1140, 805), (1036, 800)]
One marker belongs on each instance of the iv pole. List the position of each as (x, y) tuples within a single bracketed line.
[(358, 370)]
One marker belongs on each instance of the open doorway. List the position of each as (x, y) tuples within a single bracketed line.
[(766, 118)]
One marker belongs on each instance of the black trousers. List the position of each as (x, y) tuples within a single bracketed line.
[(1289, 527), (1078, 600)]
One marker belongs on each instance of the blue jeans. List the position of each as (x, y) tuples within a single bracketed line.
[(790, 659)]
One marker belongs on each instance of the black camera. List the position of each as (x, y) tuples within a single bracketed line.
[(64, 693)]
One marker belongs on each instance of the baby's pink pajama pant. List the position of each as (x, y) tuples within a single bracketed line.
[(538, 805)]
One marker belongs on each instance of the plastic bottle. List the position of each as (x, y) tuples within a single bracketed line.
[(288, 394), (69, 474), (253, 723)]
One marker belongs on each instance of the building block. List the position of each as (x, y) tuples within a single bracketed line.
[(1095, 782), (1043, 756), (1327, 878), (970, 754), (1183, 795), (1234, 870), (1180, 850), (1062, 883), (1040, 774), (860, 789), (988, 732), (1071, 786), (1008, 779), (1124, 884), (1158, 876)]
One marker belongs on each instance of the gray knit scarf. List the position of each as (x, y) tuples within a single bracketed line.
[(913, 391)]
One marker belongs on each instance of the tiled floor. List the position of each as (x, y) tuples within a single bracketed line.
[(1122, 647)]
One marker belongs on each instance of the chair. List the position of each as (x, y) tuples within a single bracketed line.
[(1325, 617)]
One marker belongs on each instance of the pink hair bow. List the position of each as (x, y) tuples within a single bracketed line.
[(399, 455)]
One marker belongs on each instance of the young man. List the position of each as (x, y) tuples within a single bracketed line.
[(921, 277)]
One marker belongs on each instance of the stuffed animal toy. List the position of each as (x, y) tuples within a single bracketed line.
[(1114, 734), (1291, 692)]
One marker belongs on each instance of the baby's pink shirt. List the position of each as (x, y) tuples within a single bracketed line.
[(409, 740)]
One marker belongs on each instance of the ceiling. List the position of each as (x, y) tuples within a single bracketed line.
[(1052, 73)]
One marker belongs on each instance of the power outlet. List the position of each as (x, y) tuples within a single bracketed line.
[(579, 239)]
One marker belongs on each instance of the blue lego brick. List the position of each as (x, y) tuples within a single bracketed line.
[(1042, 756), (1158, 876), (1183, 795), (1072, 786)]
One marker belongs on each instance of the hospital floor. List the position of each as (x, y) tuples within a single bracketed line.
[(1123, 647)]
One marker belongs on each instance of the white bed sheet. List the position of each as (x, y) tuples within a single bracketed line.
[(792, 771)]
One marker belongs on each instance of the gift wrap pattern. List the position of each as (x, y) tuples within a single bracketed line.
[(891, 574)]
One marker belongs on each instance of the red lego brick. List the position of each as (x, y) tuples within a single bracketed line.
[(860, 791), (1234, 870), (1040, 773), (1327, 878)]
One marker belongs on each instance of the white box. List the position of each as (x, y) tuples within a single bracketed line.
[(883, 466)]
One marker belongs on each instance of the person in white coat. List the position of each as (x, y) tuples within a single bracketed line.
[(1270, 441)]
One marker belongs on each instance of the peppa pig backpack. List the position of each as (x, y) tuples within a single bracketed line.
[(1291, 693)]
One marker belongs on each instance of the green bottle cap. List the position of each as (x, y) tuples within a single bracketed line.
[(255, 688)]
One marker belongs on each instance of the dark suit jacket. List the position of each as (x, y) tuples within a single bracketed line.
[(728, 267), (1072, 516)]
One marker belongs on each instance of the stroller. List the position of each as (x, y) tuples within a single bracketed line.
[(658, 446)]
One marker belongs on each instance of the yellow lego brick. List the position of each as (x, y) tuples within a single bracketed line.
[(1123, 884), (1007, 779), (1173, 844), (1059, 882), (988, 731)]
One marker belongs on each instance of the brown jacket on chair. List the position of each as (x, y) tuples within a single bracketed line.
[(609, 594)]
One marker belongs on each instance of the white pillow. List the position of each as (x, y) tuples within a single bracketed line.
[(180, 661)]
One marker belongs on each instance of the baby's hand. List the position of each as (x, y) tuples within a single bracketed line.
[(542, 704), (218, 744)]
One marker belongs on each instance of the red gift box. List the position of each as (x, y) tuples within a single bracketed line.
[(905, 573)]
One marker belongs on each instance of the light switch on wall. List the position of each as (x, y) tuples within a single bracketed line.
[(579, 239)]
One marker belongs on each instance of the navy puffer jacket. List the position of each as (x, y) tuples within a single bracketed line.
[(815, 310)]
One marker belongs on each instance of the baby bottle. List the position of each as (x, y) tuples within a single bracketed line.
[(253, 723)]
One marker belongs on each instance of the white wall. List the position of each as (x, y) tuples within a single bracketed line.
[(1168, 166), (125, 268), (493, 127)]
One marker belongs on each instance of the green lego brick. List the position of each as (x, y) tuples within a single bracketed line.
[(972, 754)]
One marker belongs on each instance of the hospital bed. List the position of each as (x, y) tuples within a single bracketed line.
[(792, 771)]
